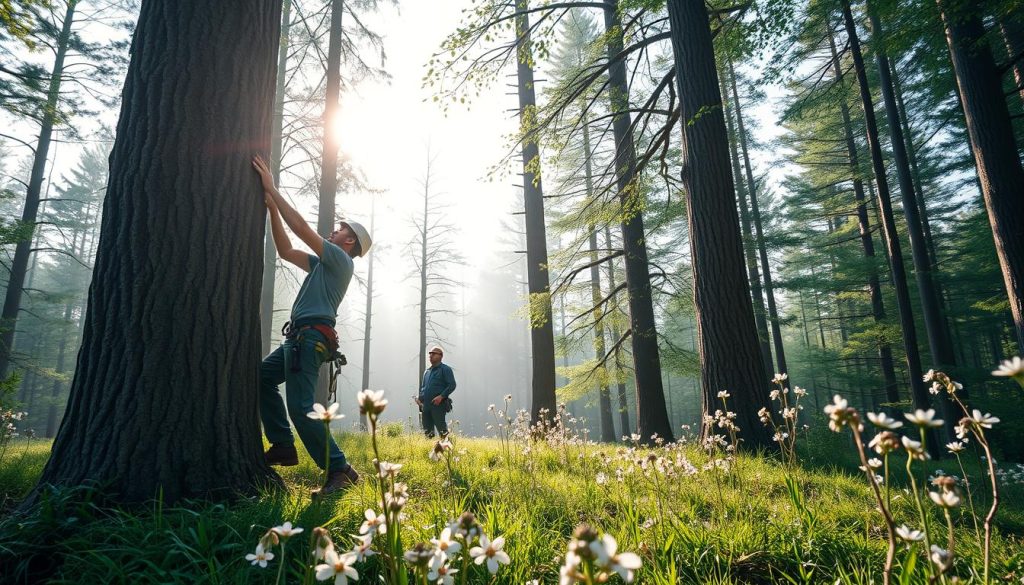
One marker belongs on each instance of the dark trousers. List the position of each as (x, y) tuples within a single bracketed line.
[(300, 384), (433, 418)]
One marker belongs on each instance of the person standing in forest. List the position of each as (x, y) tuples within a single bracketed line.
[(433, 400), (310, 338)]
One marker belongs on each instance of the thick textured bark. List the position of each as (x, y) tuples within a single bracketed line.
[(163, 401), (762, 249), (726, 333), (19, 265), (939, 341), (892, 242), (753, 273), (995, 150), (276, 146), (651, 414), (542, 335), (621, 386)]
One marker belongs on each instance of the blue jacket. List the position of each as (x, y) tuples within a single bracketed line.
[(438, 380)]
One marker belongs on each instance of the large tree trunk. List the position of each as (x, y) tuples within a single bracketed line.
[(651, 414), (19, 265), (762, 249), (276, 146), (604, 395), (864, 228), (727, 336), (939, 341), (892, 242), (749, 247), (620, 386), (542, 334), (164, 396), (995, 150)]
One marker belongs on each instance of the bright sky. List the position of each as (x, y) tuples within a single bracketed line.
[(386, 128)]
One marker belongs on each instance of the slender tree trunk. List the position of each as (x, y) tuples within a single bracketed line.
[(276, 146), (542, 336), (620, 386), (30, 276), (368, 321), (19, 265), (995, 149), (51, 410), (769, 289), (728, 347), (604, 395), (915, 173), (329, 164), (939, 341), (651, 414), (749, 247), (164, 398), (1011, 27), (31, 384), (892, 242), (424, 281)]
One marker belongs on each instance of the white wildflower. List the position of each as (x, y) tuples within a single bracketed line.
[(909, 534), (883, 421), (260, 557), (924, 418), (325, 414), (490, 551), (338, 567)]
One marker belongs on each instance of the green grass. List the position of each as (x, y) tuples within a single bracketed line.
[(710, 528)]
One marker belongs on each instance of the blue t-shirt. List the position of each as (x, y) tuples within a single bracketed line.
[(324, 287)]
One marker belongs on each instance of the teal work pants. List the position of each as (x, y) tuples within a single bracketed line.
[(300, 384)]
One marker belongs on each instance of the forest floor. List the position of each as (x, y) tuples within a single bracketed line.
[(687, 518)]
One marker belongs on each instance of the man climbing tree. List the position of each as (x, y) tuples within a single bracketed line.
[(310, 336)]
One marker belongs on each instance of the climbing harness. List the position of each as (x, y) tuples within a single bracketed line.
[(335, 358)]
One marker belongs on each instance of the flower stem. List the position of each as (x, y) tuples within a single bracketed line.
[(918, 504), (327, 451), (890, 523), (280, 566)]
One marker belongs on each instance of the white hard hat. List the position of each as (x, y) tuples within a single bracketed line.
[(436, 348), (362, 235)]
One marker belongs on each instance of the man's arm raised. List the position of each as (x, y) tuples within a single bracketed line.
[(281, 240), (287, 212)]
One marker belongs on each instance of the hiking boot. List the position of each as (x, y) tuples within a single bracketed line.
[(338, 481), (283, 454)]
